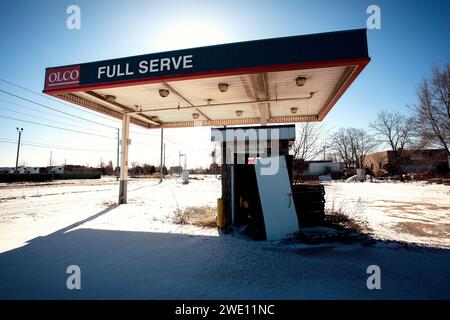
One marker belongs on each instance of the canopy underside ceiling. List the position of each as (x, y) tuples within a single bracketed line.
[(268, 97)]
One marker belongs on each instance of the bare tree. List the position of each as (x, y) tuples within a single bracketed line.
[(351, 145), (364, 144), (308, 145), (432, 113), (393, 129), (310, 141), (340, 145)]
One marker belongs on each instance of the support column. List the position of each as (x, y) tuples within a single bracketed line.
[(124, 160), (161, 162)]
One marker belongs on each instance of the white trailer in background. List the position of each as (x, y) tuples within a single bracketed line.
[(27, 170), (31, 170), (57, 170), (6, 170)]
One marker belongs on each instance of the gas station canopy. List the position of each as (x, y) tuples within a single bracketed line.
[(281, 80)]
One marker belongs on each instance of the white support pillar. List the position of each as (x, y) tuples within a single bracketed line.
[(161, 164), (124, 159)]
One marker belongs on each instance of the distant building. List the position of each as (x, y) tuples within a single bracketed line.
[(20, 170), (6, 170), (27, 170), (44, 170), (32, 170), (175, 170), (407, 161), (79, 169), (322, 167), (56, 170), (72, 169)]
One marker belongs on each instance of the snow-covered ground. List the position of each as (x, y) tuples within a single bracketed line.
[(135, 251), (412, 212), (35, 209)]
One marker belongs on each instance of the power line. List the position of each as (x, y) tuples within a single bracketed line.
[(46, 119), (55, 127), (51, 108), (21, 105), (178, 144), (55, 147), (71, 130), (35, 109), (173, 141), (56, 100), (186, 146)]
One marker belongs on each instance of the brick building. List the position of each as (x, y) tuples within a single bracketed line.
[(407, 161)]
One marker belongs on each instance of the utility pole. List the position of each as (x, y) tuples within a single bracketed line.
[(179, 163), (18, 147), (164, 157), (214, 162), (51, 153), (185, 174), (161, 162), (118, 144)]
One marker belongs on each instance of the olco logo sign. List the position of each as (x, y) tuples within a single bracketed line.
[(61, 77)]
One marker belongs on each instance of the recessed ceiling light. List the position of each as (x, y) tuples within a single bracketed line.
[(195, 115), (300, 81), (294, 110), (223, 87), (239, 113), (163, 92)]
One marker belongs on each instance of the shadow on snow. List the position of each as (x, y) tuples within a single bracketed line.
[(147, 265)]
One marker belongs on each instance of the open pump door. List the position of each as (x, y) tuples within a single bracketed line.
[(280, 217)]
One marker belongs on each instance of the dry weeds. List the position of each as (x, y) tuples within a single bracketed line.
[(204, 216)]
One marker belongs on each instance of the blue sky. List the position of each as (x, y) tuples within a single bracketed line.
[(414, 35)]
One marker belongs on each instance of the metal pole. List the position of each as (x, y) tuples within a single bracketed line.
[(179, 163), (164, 157), (118, 146), (124, 162), (51, 158), (18, 147), (214, 162), (161, 162)]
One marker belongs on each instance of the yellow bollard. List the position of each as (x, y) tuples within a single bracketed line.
[(220, 223)]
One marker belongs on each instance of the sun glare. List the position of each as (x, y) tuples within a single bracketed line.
[(194, 34)]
